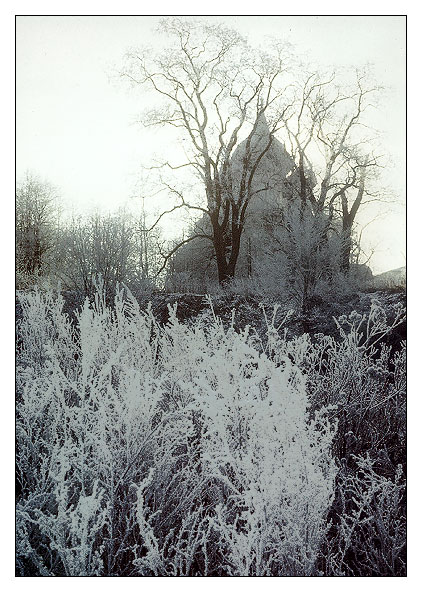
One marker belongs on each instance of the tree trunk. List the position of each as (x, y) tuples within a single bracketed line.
[(236, 233), (223, 275), (226, 263), (346, 248), (249, 258), (226, 269), (219, 244)]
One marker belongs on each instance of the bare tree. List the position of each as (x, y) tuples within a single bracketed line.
[(36, 221), (146, 249), (334, 149), (98, 248), (215, 90)]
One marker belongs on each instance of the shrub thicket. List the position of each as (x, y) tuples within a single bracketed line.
[(197, 449)]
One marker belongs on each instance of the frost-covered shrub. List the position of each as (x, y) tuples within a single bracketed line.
[(43, 330), (270, 467), (366, 382), (369, 523), (362, 384), (175, 450), (198, 449)]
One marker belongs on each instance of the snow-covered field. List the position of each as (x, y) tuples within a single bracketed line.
[(195, 448)]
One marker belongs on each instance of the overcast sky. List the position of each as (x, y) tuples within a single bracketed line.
[(75, 125)]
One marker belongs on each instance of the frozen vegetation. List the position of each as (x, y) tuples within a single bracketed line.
[(257, 431), (201, 448)]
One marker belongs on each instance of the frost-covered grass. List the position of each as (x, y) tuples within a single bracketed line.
[(197, 449)]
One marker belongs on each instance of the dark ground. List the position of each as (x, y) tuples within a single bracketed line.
[(249, 310)]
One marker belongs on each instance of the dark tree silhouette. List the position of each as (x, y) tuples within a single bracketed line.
[(215, 89)]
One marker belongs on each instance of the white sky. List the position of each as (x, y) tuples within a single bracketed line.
[(74, 124)]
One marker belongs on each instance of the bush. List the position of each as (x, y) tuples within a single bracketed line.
[(175, 450), (196, 449)]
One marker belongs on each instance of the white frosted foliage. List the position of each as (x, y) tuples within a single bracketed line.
[(183, 449)]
